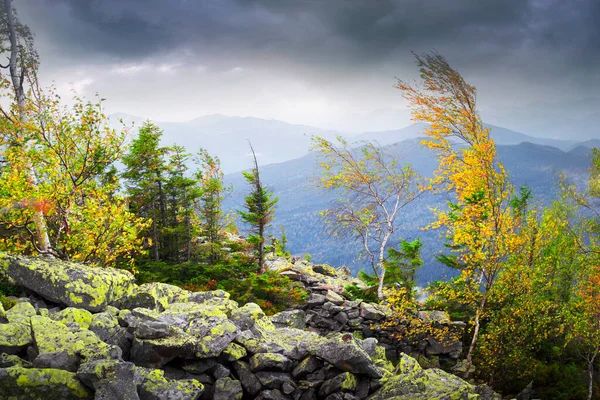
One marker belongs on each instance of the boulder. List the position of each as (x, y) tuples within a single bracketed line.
[(289, 319), (324, 269), (307, 366), (228, 389), (345, 382), (334, 298), (53, 338), (112, 379), (14, 337), (69, 283), (154, 296), (11, 360), (273, 380), (270, 361), (106, 326), (3, 318), (249, 381), (345, 353), (371, 312), (35, 383), (154, 386), (413, 382), (81, 317), (277, 264), (233, 352), (21, 312), (202, 337)]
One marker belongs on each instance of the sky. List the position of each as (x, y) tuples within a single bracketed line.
[(331, 64)]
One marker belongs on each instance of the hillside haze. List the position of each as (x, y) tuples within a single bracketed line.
[(534, 165)]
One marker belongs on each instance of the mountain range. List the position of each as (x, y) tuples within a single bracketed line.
[(289, 169), (277, 141)]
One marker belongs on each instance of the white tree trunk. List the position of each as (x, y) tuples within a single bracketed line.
[(43, 240)]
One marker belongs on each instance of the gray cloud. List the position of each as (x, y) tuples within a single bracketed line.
[(345, 47)]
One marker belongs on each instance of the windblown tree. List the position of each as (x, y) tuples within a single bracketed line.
[(259, 209), (59, 191), (481, 225), (18, 41), (583, 314), (372, 188)]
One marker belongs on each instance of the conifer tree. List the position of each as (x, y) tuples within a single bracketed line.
[(145, 170), (260, 209), (211, 194)]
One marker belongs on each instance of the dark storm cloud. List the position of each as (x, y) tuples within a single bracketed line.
[(362, 32)]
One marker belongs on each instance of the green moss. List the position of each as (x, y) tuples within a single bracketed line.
[(349, 382), (70, 314), (234, 352), (21, 312), (36, 383), (52, 336), (15, 336), (154, 382)]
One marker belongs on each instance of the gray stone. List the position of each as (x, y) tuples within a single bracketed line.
[(273, 380), (316, 300), (228, 389), (57, 360), (69, 283), (341, 317), (112, 378), (307, 366), (334, 298), (270, 361), (152, 385), (345, 353), (271, 394), (342, 382), (47, 384), (152, 330), (249, 381), (10, 360), (371, 312), (289, 319)]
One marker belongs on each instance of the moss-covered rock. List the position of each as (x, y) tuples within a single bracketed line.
[(3, 318), (228, 389), (245, 317), (81, 317), (15, 337), (155, 296), (69, 283), (11, 360), (289, 319), (106, 326), (346, 353), (413, 382), (35, 383), (51, 337), (233, 352), (113, 378), (270, 361), (21, 312), (154, 386), (345, 382)]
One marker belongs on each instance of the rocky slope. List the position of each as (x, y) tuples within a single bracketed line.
[(80, 332)]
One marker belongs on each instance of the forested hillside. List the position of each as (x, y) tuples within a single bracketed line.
[(300, 201)]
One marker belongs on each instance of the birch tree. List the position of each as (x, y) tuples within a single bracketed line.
[(372, 189)]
